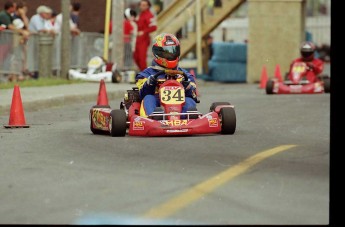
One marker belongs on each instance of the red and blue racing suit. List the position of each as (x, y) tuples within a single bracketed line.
[(149, 94)]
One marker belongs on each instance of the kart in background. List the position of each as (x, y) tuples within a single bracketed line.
[(295, 82), (166, 120), (97, 69)]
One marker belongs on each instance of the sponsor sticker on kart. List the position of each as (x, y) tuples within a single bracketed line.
[(213, 122), (99, 120), (299, 68), (174, 122), (95, 62), (177, 130), (138, 125)]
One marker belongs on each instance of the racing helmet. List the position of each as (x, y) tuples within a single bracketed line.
[(166, 50), (307, 51)]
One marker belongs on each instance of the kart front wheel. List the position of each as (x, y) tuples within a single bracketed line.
[(327, 85), (116, 77), (269, 87), (215, 104), (117, 123), (228, 120)]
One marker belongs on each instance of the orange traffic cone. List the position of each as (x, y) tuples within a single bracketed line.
[(17, 118), (277, 73), (102, 94), (264, 77)]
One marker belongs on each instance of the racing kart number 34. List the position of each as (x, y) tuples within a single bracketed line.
[(169, 120)]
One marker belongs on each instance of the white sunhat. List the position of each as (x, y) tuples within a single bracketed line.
[(18, 23), (43, 9), (128, 13)]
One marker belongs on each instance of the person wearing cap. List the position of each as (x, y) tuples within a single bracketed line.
[(38, 22)]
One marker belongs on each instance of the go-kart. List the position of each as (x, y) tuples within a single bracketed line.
[(97, 69), (166, 120), (295, 82)]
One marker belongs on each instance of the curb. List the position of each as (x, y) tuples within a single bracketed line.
[(60, 101)]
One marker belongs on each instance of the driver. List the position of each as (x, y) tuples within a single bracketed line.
[(314, 65), (166, 55)]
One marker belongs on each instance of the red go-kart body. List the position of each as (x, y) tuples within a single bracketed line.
[(165, 121), (296, 82)]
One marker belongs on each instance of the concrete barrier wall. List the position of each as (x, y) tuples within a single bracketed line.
[(276, 30)]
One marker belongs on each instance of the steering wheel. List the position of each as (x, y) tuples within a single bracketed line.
[(170, 71)]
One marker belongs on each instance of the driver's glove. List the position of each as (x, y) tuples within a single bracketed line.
[(187, 84), (310, 65), (151, 81)]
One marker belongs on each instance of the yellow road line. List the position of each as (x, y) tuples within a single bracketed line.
[(177, 203)]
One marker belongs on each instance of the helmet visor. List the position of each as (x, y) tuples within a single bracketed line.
[(168, 52), (307, 54)]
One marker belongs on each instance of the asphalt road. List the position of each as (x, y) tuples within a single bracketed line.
[(273, 170)]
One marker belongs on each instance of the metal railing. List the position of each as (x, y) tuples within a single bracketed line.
[(15, 57)]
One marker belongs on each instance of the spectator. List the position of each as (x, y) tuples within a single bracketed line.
[(146, 24), (40, 21), (58, 25), (52, 20), (129, 30), (210, 46), (20, 13), (6, 19), (75, 11)]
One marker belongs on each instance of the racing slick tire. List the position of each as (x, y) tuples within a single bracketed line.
[(269, 87), (327, 85), (228, 120), (118, 123), (116, 77), (98, 131), (215, 104)]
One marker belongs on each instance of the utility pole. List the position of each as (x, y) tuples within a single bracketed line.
[(198, 36), (106, 29), (65, 39), (117, 49)]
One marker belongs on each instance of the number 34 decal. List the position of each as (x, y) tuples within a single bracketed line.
[(172, 95)]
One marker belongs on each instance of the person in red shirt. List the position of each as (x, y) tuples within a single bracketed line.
[(146, 24), (315, 65)]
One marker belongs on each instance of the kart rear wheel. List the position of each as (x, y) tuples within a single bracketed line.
[(228, 120), (327, 85), (116, 77), (269, 87), (118, 123), (215, 104)]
